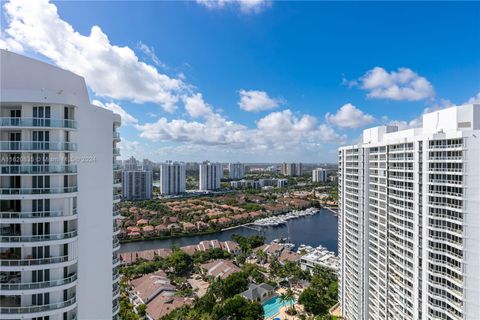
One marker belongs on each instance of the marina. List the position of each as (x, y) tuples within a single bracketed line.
[(314, 230), (282, 219)]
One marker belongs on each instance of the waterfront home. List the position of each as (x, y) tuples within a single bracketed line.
[(322, 257), (272, 250), (201, 225), (288, 255), (187, 226), (190, 250), (231, 247), (219, 268), (161, 228), (174, 227), (259, 293), (148, 230)]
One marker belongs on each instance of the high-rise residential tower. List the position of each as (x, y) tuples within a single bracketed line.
[(210, 175), (58, 243), (236, 170), (172, 178), (137, 184), (291, 169), (409, 209), (319, 175)]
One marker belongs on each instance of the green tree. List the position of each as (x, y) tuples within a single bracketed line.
[(142, 309), (180, 262), (238, 308)]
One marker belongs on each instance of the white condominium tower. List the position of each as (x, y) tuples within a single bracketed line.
[(58, 243), (236, 170), (210, 175), (409, 227), (172, 178), (319, 175)]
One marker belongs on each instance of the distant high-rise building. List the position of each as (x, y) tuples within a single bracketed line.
[(292, 169), (409, 220), (236, 170), (210, 175), (58, 245), (172, 178), (319, 175), (137, 184), (131, 164)]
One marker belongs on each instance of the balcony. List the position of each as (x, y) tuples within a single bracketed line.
[(53, 190), (116, 152), (36, 238), (116, 136), (15, 169), (36, 309), (36, 215), (32, 262), (117, 197), (38, 122), (37, 146), (38, 285)]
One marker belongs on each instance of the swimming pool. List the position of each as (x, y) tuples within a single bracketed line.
[(272, 307)]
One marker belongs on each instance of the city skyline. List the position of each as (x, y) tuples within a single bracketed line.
[(318, 89)]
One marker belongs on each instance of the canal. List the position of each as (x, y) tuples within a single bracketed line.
[(319, 229)]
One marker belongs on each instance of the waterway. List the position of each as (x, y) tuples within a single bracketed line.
[(318, 229)]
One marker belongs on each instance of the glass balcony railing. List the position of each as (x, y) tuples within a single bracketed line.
[(35, 309), (53, 190), (116, 152), (37, 169), (43, 237), (117, 197), (32, 262), (38, 285), (117, 166), (116, 135), (30, 215), (115, 308), (38, 122), (37, 146)]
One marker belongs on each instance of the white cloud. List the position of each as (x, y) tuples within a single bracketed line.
[(127, 118), (150, 52), (474, 99), (10, 44), (245, 6), (403, 84), (196, 106), (110, 70), (349, 116), (254, 101), (277, 131)]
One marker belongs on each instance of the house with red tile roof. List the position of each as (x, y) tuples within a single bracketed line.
[(219, 268)]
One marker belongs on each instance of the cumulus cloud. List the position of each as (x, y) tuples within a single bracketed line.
[(196, 106), (403, 84), (277, 131), (245, 6), (349, 116), (127, 118), (254, 101), (110, 71)]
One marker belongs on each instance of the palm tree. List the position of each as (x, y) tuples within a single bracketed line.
[(289, 296)]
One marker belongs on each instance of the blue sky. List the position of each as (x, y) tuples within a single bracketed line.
[(312, 75)]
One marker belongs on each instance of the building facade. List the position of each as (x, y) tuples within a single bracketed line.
[(236, 171), (172, 178), (56, 208), (319, 175), (409, 209), (137, 184), (291, 169), (210, 175)]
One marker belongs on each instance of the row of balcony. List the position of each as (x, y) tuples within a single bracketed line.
[(32, 262), (30, 215), (12, 169), (51, 190), (38, 122), (37, 146), (36, 309), (38, 285), (35, 238)]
